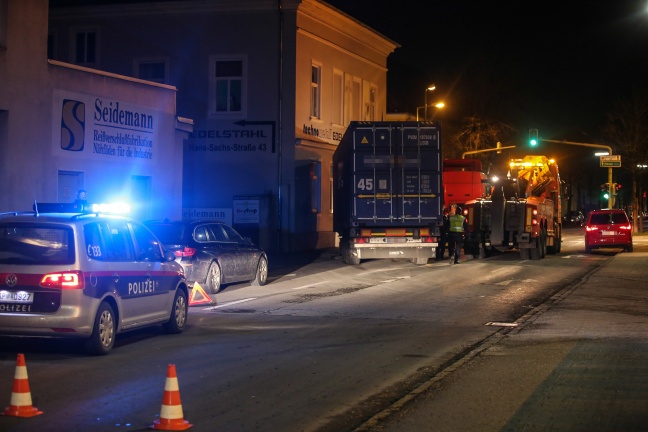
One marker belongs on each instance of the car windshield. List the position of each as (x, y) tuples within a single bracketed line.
[(608, 219), (35, 244)]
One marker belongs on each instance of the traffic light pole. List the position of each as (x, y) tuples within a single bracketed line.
[(608, 148), (497, 149)]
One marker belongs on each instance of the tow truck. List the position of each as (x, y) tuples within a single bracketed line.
[(523, 212)]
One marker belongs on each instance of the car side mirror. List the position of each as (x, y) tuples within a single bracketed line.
[(169, 256)]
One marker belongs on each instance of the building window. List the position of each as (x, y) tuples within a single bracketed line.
[(369, 102), (86, 42), (227, 86), (337, 109), (3, 24), (316, 91), (156, 70), (356, 100)]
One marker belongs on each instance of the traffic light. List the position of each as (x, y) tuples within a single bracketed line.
[(605, 188), (533, 137)]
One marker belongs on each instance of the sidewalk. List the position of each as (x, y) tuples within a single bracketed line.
[(280, 260), (577, 363)]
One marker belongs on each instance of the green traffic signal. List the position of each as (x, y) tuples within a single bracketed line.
[(533, 137)]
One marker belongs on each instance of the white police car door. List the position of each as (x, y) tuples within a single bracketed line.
[(141, 286)]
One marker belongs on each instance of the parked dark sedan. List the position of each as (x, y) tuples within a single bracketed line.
[(574, 218), (212, 253)]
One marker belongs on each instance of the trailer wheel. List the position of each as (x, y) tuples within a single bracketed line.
[(348, 257)]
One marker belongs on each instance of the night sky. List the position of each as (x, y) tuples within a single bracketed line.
[(558, 66)]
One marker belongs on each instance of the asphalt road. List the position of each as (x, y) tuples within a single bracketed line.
[(323, 347), (578, 362)]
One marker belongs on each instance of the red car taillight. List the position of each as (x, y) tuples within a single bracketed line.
[(66, 280), (186, 252)]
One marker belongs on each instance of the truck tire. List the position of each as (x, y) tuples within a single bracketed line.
[(535, 252), (557, 241), (525, 253), (348, 257)]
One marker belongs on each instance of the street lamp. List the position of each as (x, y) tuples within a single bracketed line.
[(438, 105), (430, 88)]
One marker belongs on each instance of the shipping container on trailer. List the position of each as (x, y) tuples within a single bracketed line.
[(388, 195)]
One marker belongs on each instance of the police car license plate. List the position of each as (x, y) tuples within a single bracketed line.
[(608, 233), (16, 297)]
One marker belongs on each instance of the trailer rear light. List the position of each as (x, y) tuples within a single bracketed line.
[(359, 240), (429, 239), (365, 232), (66, 280), (186, 252), (425, 232)]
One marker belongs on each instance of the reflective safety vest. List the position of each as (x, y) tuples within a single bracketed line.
[(456, 223)]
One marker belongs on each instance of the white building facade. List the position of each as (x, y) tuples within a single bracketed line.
[(65, 127), (270, 85)]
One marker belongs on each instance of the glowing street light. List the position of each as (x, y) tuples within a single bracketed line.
[(437, 105), (429, 89)]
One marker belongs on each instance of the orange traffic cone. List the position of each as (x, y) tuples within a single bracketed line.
[(21, 401), (171, 417)]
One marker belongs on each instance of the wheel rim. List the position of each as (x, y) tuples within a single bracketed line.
[(263, 270), (180, 311), (214, 277), (106, 328)]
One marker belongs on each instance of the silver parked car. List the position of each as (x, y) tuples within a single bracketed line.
[(86, 276), (212, 253)]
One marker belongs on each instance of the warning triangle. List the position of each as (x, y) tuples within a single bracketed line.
[(364, 140), (199, 296)]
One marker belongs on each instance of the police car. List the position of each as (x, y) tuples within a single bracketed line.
[(85, 275)]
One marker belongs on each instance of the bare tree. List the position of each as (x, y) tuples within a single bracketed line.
[(627, 131), (477, 133)]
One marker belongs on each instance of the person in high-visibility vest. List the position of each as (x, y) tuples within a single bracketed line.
[(458, 227)]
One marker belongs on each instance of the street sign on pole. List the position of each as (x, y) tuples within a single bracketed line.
[(611, 161)]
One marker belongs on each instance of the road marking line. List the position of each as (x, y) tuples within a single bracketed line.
[(231, 303), (501, 324), (376, 271), (309, 285)]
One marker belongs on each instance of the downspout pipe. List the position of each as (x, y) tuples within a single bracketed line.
[(280, 132)]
